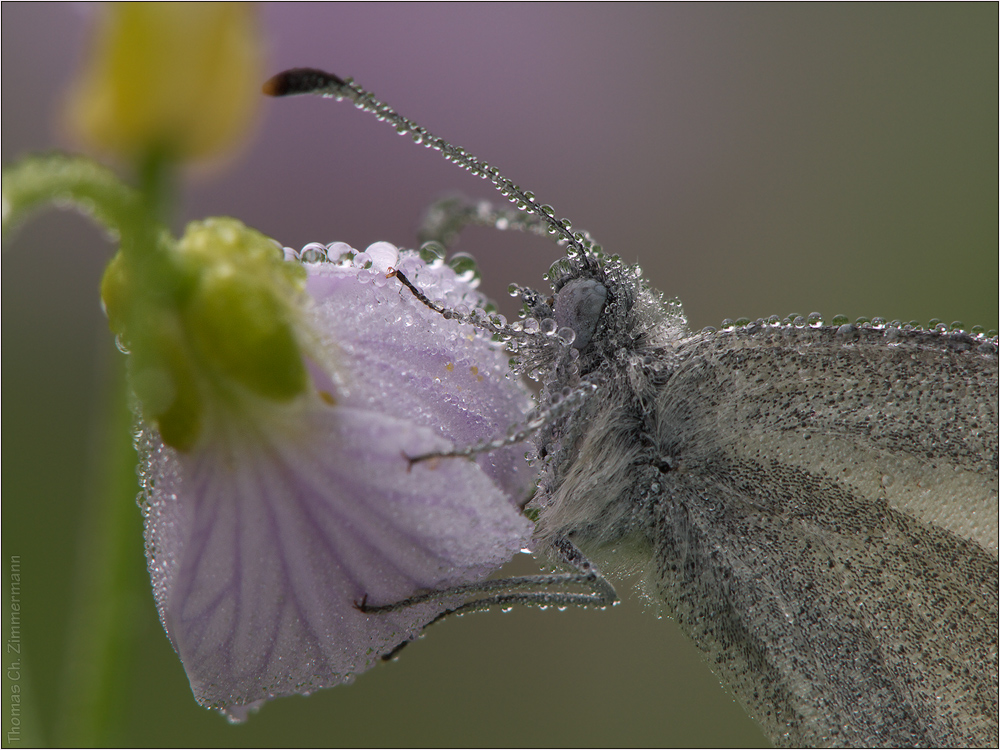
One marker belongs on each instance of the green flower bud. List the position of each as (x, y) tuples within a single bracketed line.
[(242, 313), (214, 323)]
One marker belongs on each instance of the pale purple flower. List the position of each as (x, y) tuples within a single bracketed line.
[(262, 538)]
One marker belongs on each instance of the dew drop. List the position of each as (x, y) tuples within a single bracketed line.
[(432, 253), (383, 256), (340, 253), (464, 266), (846, 331), (314, 252)]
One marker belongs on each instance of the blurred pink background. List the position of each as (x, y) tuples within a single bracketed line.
[(754, 160)]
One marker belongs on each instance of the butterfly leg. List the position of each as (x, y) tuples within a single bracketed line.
[(445, 219), (506, 592)]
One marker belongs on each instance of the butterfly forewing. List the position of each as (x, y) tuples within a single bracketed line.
[(827, 528)]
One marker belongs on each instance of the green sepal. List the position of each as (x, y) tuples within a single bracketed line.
[(243, 312)]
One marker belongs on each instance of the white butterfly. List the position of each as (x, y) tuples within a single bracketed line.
[(815, 504)]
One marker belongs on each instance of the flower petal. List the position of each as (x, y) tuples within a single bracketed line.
[(280, 535), (403, 359), (263, 538)]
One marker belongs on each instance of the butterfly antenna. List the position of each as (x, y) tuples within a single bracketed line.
[(299, 81)]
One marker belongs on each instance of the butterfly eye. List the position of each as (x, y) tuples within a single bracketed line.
[(578, 306)]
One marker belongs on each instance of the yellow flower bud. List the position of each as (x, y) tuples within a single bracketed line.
[(179, 79)]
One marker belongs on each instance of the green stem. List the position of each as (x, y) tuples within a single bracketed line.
[(110, 579), (83, 183), (110, 582), (132, 216), (156, 174)]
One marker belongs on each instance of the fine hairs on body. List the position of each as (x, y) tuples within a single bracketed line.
[(815, 504)]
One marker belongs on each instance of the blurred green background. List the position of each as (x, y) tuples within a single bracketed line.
[(754, 159)]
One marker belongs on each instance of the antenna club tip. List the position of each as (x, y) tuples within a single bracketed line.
[(301, 81), (275, 85)]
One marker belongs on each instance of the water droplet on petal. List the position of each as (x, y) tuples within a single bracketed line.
[(432, 253), (383, 256), (314, 252), (464, 266)]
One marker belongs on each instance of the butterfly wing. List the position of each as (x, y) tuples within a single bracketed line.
[(827, 531)]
